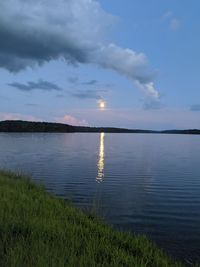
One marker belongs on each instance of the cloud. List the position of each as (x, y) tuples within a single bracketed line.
[(127, 63), (175, 24), (71, 120), (60, 96), (17, 116), (64, 119), (40, 85), (89, 94), (167, 15), (92, 82), (149, 89), (73, 79), (33, 32), (31, 105), (195, 108), (150, 104)]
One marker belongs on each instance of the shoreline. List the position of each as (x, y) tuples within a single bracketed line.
[(38, 229)]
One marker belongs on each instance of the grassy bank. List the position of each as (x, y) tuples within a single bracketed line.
[(37, 229)]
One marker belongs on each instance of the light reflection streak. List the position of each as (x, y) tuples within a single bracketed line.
[(100, 164)]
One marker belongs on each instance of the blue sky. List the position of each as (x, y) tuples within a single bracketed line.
[(141, 58)]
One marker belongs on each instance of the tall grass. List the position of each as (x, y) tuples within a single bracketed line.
[(37, 229)]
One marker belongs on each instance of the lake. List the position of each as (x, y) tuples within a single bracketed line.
[(144, 183)]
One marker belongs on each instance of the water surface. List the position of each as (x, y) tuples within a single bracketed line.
[(144, 183)]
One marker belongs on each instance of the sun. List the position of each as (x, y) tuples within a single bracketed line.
[(102, 105)]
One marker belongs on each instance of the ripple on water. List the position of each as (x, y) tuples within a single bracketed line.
[(144, 183)]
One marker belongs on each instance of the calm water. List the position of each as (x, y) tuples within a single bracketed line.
[(144, 183)]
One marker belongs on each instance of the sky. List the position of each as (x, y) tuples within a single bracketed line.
[(60, 61)]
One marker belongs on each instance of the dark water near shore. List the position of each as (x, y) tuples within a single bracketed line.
[(148, 184)]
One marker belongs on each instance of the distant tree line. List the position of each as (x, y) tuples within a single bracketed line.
[(50, 127)]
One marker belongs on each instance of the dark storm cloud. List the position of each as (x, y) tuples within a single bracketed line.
[(35, 32), (40, 85), (19, 50)]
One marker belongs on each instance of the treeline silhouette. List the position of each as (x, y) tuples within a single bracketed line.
[(51, 127)]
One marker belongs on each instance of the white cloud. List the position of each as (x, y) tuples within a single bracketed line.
[(167, 14), (149, 89), (175, 24), (128, 63)]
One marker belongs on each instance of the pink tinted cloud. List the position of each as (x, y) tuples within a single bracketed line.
[(71, 120), (17, 116)]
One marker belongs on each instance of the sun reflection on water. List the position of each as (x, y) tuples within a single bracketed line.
[(100, 164)]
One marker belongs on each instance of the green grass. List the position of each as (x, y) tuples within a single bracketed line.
[(37, 229)]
